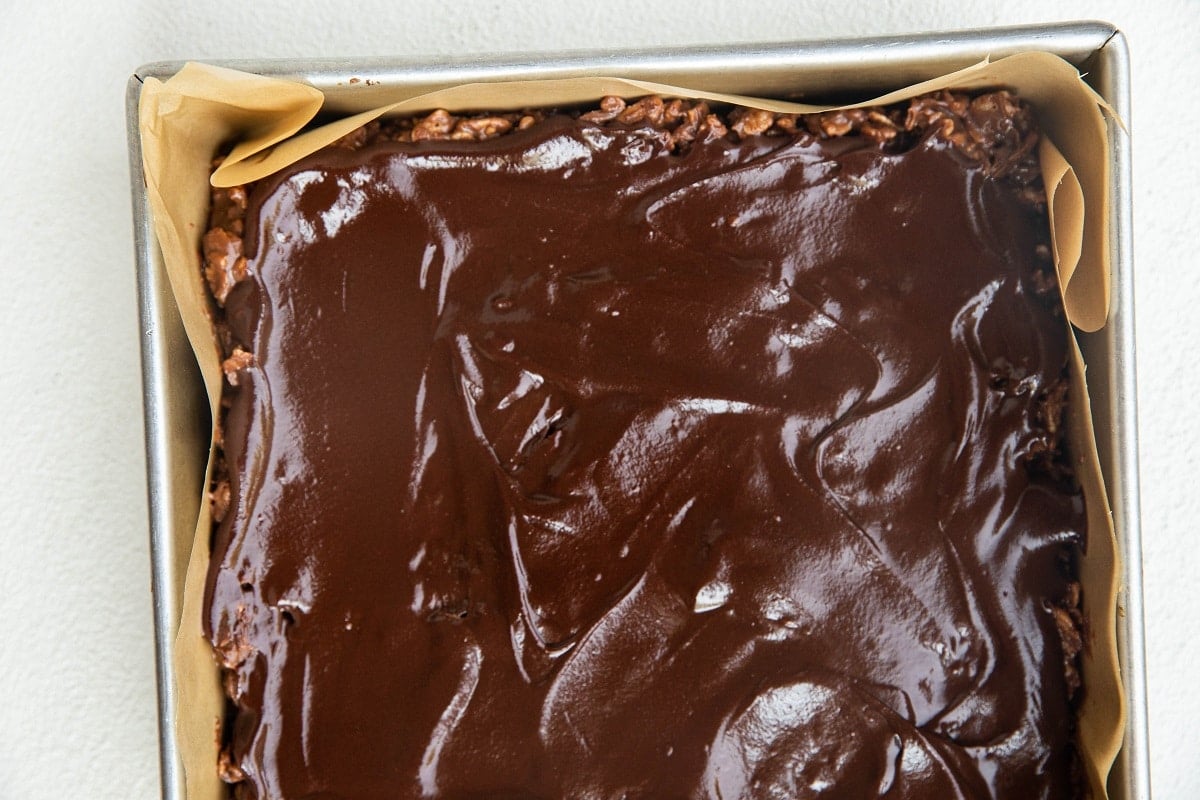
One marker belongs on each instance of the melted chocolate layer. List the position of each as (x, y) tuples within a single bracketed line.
[(564, 466)]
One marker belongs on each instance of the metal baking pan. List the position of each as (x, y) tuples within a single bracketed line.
[(177, 417)]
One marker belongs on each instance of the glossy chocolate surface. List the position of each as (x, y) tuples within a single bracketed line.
[(569, 467)]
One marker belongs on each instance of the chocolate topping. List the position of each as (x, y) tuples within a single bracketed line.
[(577, 463)]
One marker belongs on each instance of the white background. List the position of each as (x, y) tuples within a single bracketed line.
[(77, 703)]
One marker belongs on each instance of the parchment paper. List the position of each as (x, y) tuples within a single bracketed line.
[(184, 119)]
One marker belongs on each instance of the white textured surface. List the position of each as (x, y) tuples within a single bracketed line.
[(77, 714)]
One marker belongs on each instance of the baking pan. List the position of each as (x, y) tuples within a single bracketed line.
[(176, 415)]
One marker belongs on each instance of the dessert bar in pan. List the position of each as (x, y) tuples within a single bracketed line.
[(549, 410)]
